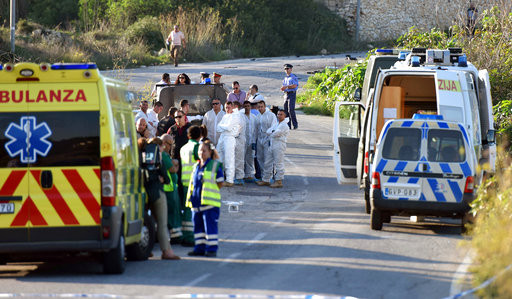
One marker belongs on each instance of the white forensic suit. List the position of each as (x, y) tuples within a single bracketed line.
[(240, 148), (251, 133), (265, 122), (229, 128), (278, 134), (211, 121)]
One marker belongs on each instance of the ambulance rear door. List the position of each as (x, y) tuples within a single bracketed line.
[(450, 100), (487, 117), (64, 178), (15, 203), (348, 117)]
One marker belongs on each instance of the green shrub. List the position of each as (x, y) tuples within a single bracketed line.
[(146, 30)]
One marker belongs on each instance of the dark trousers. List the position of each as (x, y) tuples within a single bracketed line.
[(206, 230), (289, 107)]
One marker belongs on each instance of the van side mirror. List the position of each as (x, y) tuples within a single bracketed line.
[(491, 137), (357, 94)]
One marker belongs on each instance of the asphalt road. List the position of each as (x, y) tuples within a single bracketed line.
[(311, 237)]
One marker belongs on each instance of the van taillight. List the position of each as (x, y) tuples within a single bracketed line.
[(366, 162), (376, 180), (470, 185), (108, 182)]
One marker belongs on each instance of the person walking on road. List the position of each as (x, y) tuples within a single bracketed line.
[(278, 134), (205, 200), (240, 147), (266, 120), (290, 86), (236, 95), (229, 128), (211, 120), (177, 40), (189, 157), (251, 130)]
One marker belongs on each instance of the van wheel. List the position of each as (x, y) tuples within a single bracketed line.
[(141, 250), (113, 260), (367, 204), (376, 219), (386, 217)]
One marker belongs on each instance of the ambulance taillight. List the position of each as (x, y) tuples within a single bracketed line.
[(108, 191), (470, 185), (376, 180), (366, 162)]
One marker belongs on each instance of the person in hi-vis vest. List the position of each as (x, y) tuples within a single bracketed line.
[(204, 199), (189, 157)]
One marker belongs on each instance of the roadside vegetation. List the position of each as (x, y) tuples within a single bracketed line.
[(129, 33), (490, 48)]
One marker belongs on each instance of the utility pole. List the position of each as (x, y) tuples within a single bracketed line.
[(13, 25)]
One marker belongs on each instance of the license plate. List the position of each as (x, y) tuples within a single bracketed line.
[(6, 208), (401, 192)]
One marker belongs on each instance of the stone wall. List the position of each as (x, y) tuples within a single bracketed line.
[(388, 19)]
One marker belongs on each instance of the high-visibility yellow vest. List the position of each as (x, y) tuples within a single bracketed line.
[(169, 187), (210, 194), (188, 155)]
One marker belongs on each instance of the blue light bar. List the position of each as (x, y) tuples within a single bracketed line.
[(463, 60), (415, 61), (427, 116), (1, 67), (403, 55), (74, 66), (384, 51)]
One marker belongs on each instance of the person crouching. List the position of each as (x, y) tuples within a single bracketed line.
[(204, 199)]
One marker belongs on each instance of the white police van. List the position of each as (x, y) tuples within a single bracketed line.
[(422, 166), (424, 81)]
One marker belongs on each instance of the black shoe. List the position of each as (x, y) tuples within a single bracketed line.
[(295, 128), (195, 253), (211, 254), (187, 244)]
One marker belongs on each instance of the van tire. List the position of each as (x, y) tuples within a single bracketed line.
[(141, 250), (386, 217), (376, 219), (367, 205), (113, 260)]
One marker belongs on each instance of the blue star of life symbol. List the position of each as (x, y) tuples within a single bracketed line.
[(28, 139)]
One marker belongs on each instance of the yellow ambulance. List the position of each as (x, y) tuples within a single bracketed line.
[(69, 165)]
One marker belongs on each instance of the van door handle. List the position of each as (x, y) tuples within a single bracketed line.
[(425, 167), (46, 179)]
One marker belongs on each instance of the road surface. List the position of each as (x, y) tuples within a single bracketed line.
[(311, 237)]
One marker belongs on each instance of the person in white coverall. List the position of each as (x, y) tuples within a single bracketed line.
[(240, 147), (266, 120), (278, 134), (229, 128), (251, 132), (212, 118)]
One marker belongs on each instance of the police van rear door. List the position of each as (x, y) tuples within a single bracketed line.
[(64, 178), (13, 172)]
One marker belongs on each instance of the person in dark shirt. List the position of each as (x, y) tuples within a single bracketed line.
[(165, 123)]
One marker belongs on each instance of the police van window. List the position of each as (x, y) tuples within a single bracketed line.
[(55, 139), (402, 144), (445, 146), (473, 101)]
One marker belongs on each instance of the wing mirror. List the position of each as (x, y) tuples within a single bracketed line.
[(357, 94), (491, 137)]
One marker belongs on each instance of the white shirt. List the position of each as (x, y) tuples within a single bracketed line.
[(256, 98), (279, 131), (211, 120), (230, 124), (152, 122), (176, 37), (157, 89)]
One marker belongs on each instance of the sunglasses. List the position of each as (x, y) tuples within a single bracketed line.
[(215, 103), (181, 77), (286, 68), (179, 116)]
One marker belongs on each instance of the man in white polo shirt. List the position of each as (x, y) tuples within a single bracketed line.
[(177, 39)]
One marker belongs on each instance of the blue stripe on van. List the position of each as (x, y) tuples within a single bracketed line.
[(393, 179), (465, 169), (455, 190), (403, 198), (443, 125), (422, 197), (464, 132), (400, 165), (445, 167), (413, 180), (407, 124), (433, 186), (382, 164), (386, 129)]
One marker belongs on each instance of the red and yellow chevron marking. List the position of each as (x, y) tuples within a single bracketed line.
[(74, 198)]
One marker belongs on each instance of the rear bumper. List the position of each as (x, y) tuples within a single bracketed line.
[(420, 208), (63, 238)]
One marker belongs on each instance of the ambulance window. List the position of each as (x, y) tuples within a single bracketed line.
[(402, 144), (475, 110), (446, 146), (452, 113), (66, 139)]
